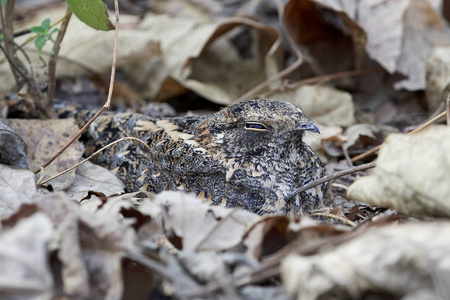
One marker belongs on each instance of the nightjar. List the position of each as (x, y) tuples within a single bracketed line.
[(249, 155)]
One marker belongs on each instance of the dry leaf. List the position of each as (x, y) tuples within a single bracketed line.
[(90, 177), (24, 259), (402, 260), (424, 28), (17, 186), (310, 26), (399, 35), (90, 247), (203, 227), (202, 57), (166, 55), (205, 10), (272, 233), (438, 77), (253, 292), (412, 174), (322, 104), (362, 136), (44, 138)]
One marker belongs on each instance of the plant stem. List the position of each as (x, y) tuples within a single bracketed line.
[(54, 58)]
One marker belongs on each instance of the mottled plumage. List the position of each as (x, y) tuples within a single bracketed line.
[(248, 155)]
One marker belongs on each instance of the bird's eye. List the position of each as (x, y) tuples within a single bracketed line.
[(255, 126)]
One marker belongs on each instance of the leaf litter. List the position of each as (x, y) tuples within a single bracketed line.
[(89, 239)]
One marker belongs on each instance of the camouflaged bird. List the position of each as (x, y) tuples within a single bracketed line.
[(248, 155)]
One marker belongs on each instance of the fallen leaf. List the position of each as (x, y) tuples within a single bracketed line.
[(424, 29), (411, 176), (399, 35), (26, 273), (17, 187), (203, 227), (182, 53), (44, 138), (403, 261), (271, 233), (201, 56), (90, 247), (361, 137), (438, 77), (90, 177), (254, 292)]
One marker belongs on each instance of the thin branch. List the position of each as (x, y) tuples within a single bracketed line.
[(113, 68), (333, 76), (14, 67), (331, 177), (448, 109), (96, 153), (347, 156), (73, 139), (280, 74), (271, 80), (7, 25), (108, 100), (53, 58)]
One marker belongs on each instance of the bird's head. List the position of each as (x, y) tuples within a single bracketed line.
[(253, 126)]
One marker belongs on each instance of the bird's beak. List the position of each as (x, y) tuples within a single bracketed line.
[(308, 126)]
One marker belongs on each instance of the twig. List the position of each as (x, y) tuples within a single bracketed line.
[(113, 68), (331, 177), (332, 216), (448, 109), (284, 72), (73, 139), (347, 157), (16, 64), (271, 80), (11, 62), (96, 153), (424, 125), (53, 58), (108, 101), (333, 76), (7, 26)]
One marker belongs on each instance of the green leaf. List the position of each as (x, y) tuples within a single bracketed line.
[(92, 12), (37, 29), (39, 42), (46, 24), (4, 2)]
